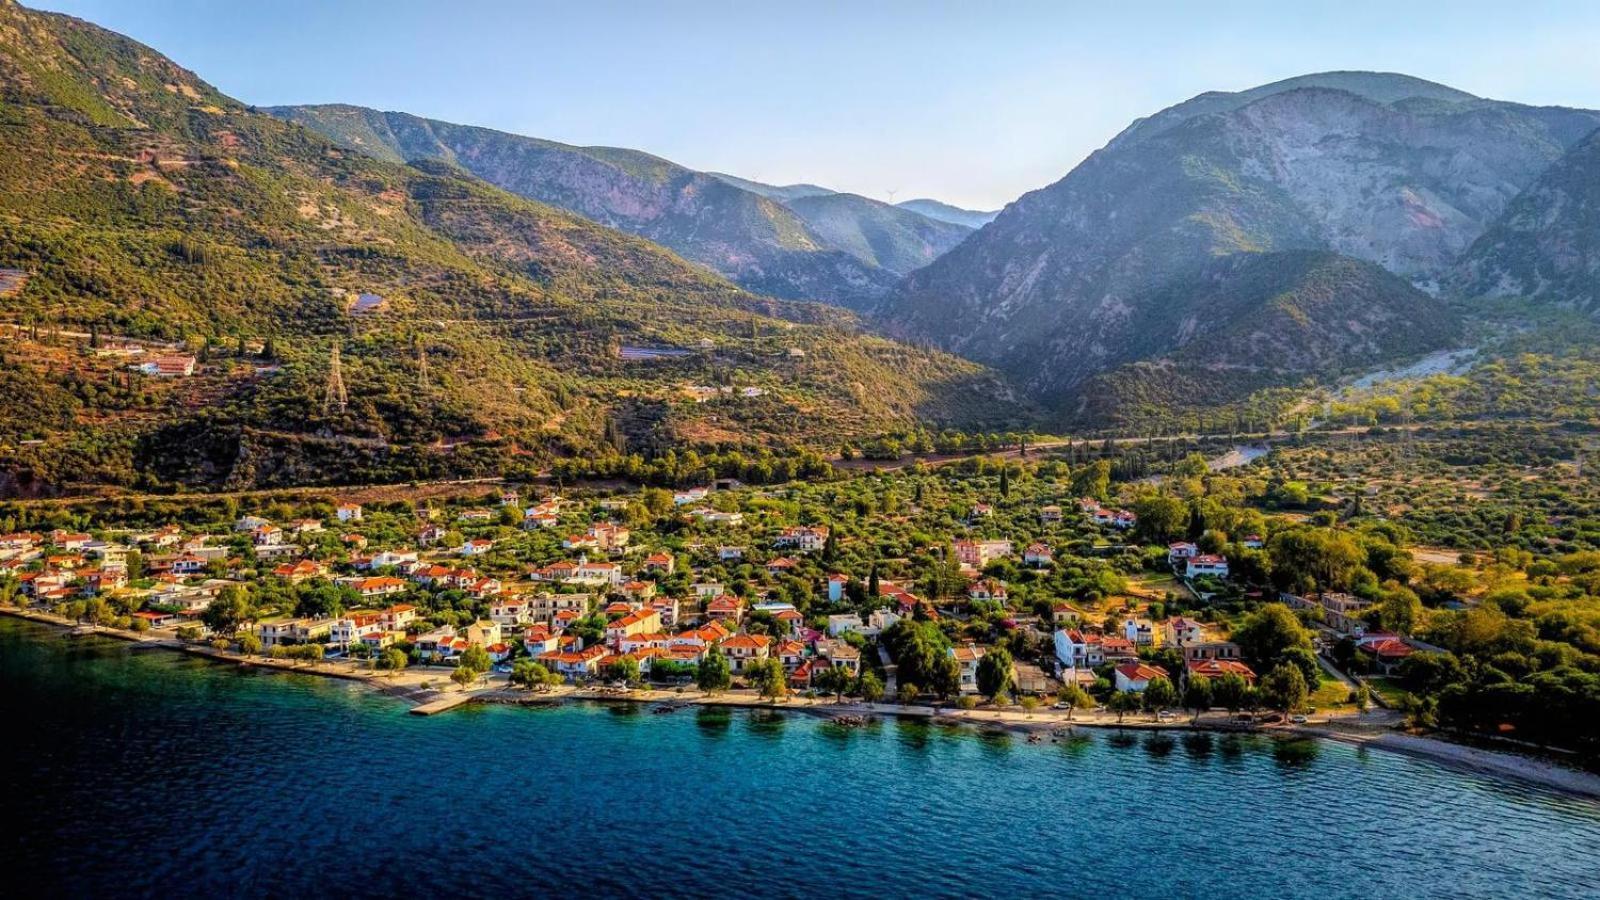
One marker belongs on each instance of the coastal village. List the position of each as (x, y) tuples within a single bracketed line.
[(1029, 603)]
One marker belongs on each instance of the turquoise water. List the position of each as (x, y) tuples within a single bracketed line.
[(140, 773)]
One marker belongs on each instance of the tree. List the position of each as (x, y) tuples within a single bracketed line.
[(873, 590), (393, 660), (714, 674), (625, 669), (995, 673), (1306, 661), (529, 674), (833, 680), (249, 643), (1093, 480), (870, 687), (907, 694), (1159, 693), (1005, 482), (1400, 611), (767, 677), (1284, 688), (1123, 702), (1267, 633), (1075, 698), (1197, 695), (228, 610), (476, 658), (463, 676), (1161, 518), (946, 679), (1314, 559), (1229, 692), (134, 565)]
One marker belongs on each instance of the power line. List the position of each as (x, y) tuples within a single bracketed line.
[(334, 396)]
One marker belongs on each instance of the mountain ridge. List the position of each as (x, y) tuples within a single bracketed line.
[(1050, 292), (754, 234)]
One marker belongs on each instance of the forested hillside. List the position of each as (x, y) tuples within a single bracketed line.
[(145, 204)]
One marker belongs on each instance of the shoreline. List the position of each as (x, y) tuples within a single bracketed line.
[(409, 687)]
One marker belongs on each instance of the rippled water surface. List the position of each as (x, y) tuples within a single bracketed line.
[(151, 773)]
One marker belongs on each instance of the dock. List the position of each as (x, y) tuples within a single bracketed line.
[(446, 702)]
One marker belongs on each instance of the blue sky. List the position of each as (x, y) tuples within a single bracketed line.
[(972, 103)]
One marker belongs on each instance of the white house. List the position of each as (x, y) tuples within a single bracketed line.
[(1207, 564), (844, 623)]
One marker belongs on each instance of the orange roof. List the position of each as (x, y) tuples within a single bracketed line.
[(1141, 672)]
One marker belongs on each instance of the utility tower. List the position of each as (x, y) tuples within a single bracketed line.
[(334, 397)]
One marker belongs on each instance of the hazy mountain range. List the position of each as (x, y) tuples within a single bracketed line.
[(798, 241)]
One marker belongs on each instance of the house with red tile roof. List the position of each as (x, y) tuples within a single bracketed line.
[(743, 649), (1137, 676), (1216, 668)]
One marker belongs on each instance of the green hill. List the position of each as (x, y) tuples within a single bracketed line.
[(146, 204)]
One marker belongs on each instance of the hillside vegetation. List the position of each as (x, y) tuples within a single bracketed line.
[(146, 204)]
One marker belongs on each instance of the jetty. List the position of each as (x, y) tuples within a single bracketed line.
[(444, 703)]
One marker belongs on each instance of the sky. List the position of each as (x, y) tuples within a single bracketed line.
[(973, 103)]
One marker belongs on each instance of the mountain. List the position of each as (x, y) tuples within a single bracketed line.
[(1383, 168), (944, 212), (1251, 321), (876, 233), (754, 240), (754, 234), (897, 238), (150, 209), (1546, 245), (782, 193)]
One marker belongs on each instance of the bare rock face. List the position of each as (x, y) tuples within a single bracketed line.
[(1546, 245), (1382, 168)]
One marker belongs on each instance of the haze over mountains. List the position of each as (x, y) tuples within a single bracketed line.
[(796, 242), (1393, 170)]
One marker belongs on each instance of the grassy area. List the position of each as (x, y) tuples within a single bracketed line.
[(1332, 694), (1390, 690)]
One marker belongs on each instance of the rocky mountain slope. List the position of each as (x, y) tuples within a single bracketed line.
[(1389, 169), (798, 242), (145, 204), (1546, 245), (1251, 321)]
